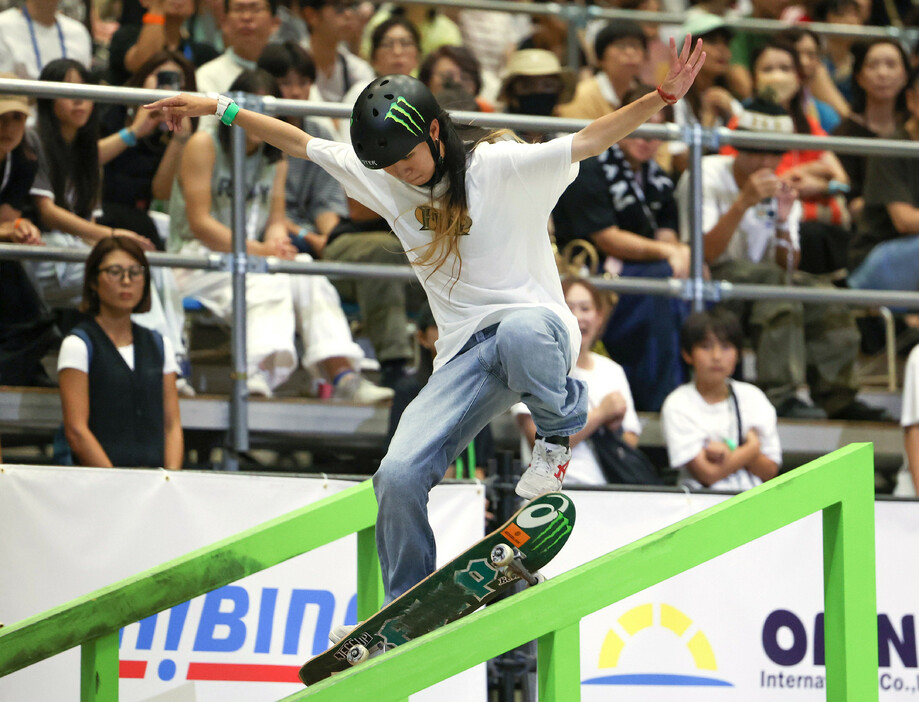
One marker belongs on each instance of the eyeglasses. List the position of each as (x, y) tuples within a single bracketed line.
[(116, 273), (255, 8), (341, 7), (390, 44)]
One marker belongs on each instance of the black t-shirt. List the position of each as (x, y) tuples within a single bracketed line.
[(855, 164), (126, 36), (607, 193), (17, 172), (128, 178), (889, 179)]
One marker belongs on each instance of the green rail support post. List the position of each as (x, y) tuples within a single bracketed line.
[(369, 577), (558, 667), (99, 669)]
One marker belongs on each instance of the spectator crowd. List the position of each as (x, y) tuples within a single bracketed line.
[(75, 174)]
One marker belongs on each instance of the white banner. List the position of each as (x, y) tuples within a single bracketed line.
[(69, 531), (745, 627)]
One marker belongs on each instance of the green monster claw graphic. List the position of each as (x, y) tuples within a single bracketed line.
[(560, 528), (402, 116)]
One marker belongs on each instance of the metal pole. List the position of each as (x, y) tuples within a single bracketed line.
[(697, 262), (239, 406)]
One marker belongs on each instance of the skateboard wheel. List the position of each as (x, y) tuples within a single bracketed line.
[(540, 578), (502, 555), (358, 654)]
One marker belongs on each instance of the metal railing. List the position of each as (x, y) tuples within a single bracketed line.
[(238, 263), (840, 485)]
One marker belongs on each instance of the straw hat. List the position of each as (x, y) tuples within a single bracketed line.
[(538, 62), (14, 103)]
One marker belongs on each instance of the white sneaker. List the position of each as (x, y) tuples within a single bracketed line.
[(184, 388), (257, 385), (356, 388), (341, 631), (547, 470)]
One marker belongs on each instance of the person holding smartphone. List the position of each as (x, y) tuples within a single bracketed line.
[(140, 157)]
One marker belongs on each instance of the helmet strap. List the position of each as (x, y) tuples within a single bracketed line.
[(439, 166)]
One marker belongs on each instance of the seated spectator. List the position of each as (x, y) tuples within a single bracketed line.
[(624, 204), (817, 175), (883, 252), (118, 379), (337, 69), (881, 70), (291, 26), (621, 49), (658, 49), (277, 305), (491, 36), (247, 25), (27, 330), (743, 44), (139, 156), (454, 65), (33, 35), (720, 433), (750, 222), (609, 399), (65, 196), (436, 29), (709, 102), (161, 29), (909, 420), (394, 48), (535, 84), (815, 80), (837, 55)]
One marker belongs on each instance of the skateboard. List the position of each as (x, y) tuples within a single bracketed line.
[(514, 551)]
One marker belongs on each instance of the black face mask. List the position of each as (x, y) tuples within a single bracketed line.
[(538, 104)]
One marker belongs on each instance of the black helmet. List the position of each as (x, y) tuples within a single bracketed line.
[(391, 117)]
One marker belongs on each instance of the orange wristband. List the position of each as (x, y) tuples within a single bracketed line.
[(17, 222), (667, 97), (150, 18)]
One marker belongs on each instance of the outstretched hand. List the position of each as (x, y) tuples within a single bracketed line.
[(177, 107), (684, 67)]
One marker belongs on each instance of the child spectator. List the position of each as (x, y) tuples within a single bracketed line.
[(33, 35), (609, 398), (720, 433), (118, 379), (200, 217)]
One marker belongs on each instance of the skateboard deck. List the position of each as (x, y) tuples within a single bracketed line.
[(534, 535)]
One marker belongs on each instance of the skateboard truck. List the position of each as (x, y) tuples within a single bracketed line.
[(508, 558)]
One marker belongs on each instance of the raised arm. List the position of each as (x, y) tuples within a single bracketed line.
[(276, 132), (602, 133)]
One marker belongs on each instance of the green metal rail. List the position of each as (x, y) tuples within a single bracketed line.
[(840, 485)]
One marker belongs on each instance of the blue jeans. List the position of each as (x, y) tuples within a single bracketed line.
[(891, 265), (526, 357)]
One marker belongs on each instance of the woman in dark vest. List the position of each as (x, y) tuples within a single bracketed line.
[(118, 379)]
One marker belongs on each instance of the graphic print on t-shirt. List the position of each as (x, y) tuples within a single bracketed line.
[(427, 216)]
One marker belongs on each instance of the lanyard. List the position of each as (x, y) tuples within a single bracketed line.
[(60, 36)]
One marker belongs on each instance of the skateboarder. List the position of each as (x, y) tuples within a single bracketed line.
[(472, 220)]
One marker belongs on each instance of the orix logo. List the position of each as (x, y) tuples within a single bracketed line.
[(405, 113)]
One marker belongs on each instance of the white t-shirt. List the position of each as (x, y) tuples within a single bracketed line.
[(909, 414), (605, 377), (755, 236), (333, 86), (66, 38), (507, 261), (689, 423), (75, 354)]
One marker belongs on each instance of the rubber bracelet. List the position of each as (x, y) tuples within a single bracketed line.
[(667, 97), (128, 137), (151, 18), (230, 114), (17, 222)]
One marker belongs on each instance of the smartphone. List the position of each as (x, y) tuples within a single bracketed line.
[(169, 80)]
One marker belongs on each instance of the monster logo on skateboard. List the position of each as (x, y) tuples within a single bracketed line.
[(515, 551)]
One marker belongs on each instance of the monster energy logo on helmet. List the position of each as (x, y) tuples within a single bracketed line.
[(390, 118), (412, 121)]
